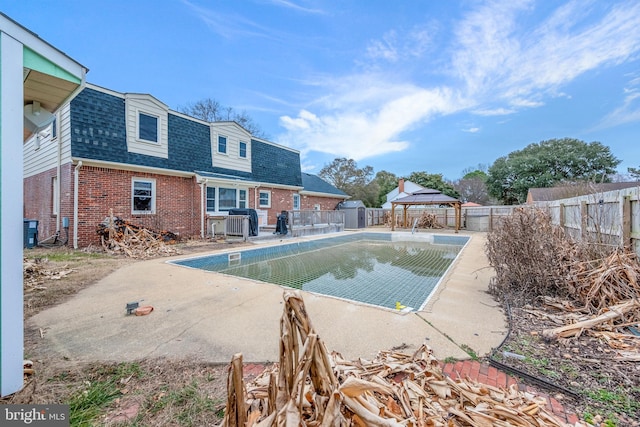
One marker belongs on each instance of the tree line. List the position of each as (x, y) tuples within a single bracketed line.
[(507, 181)]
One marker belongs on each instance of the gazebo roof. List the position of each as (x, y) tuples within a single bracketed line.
[(427, 196)]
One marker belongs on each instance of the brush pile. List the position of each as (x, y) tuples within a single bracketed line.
[(36, 273), (428, 220), (122, 237), (310, 387), (588, 288)]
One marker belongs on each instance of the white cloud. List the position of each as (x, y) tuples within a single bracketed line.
[(628, 112), (471, 130), (501, 59), (352, 130), (496, 54), (297, 7), (494, 112), (395, 46)]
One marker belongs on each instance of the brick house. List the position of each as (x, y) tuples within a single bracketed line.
[(156, 167)]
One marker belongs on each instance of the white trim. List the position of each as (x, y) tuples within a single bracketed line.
[(216, 187), (276, 145), (226, 145), (55, 196), (136, 104), (260, 206), (11, 200), (140, 111), (151, 181), (132, 168), (318, 194)]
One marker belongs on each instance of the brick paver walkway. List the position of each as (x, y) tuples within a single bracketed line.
[(474, 370), (487, 374)]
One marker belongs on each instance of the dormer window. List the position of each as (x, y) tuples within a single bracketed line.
[(147, 127), (222, 144), (243, 150)]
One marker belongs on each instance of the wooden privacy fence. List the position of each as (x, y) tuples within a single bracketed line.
[(375, 216), (610, 218), (473, 218)]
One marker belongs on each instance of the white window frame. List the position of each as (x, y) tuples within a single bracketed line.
[(268, 193), (246, 150), (239, 199), (158, 129), (296, 201), (226, 145), (153, 196)]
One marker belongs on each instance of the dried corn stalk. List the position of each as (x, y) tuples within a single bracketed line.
[(311, 388)]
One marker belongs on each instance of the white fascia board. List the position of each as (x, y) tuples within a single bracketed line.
[(132, 168), (318, 194)]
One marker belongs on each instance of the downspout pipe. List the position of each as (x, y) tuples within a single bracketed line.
[(76, 174), (203, 211), (58, 169)]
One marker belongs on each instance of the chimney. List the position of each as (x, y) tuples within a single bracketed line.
[(401, 185)]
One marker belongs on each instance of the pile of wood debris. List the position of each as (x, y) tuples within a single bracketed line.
[(311, 387), (428, 220), (608, 291), (122, 237), (35, 273)]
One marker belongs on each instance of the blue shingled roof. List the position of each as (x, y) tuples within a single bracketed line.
[(318, 185), (98, 132)]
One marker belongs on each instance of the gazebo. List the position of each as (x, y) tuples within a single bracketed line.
[(427, 196)]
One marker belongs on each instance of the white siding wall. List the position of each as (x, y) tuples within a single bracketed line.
[(46, 157), (234, 134), (136, 103)]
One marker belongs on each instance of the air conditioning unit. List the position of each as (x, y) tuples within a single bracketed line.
[(36, 118)]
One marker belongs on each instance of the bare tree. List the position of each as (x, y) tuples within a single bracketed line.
[(210, 110)]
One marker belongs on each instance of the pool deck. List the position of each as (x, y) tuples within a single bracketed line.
[(211, 316)]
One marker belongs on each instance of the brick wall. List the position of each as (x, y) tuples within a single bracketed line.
[(38, 202), (326, 203), (101, 189)]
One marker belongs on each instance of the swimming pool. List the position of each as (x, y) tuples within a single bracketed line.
[(387, 270)]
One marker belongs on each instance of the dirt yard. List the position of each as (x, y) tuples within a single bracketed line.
[(151, 392)]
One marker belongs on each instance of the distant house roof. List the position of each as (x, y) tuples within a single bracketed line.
[(426, 196), (315, 184), (470, 205), (408, 187), (567, 191)]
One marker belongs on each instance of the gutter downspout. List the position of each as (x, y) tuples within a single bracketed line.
[(76, 173), (202, 210), (58, 179)]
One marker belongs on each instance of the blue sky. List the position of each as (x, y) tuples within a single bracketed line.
[(402, 86)]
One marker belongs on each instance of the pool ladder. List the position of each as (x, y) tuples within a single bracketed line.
[(415, 222)]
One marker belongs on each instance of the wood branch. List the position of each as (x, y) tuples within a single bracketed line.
[(613, 313)]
